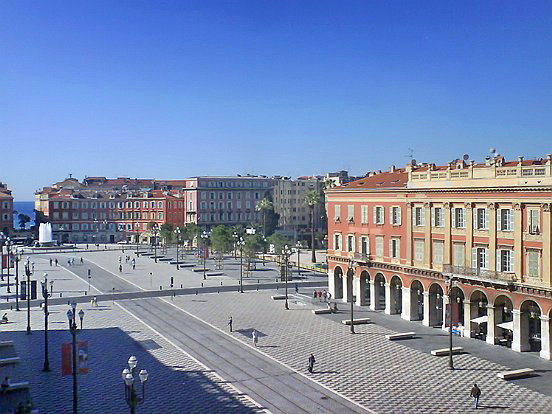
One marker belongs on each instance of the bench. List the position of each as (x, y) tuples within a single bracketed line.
[(402, 335), (16, 386), (359, 321), (186, 265), (321, 311), (517, 373), (446, 351), (200, 269), (215, 273), (146, 254), (9, 361), (278, 297), (6, 343)]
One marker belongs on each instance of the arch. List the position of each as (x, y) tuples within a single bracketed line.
[(503, 319), (395, 295), (436, 305), (456, 300), (365, 286), (529, 336), (379, 291), (416, 300), (338, 282), (478, 314)]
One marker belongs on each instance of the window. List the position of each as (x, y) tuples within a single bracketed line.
[(337, 212), (350, 243), (379, 246), (364, 214), (533, 263), (379, 215), (394, 248), (504, 261), (419, 250), (438, 218), (505, 219), (160, 204), (459, 254), (350, 213), (364, 246), (480, 219), (480, 258), (160, 216), (419, 216), (75, 226), (458, 218), (438, 251), (533, 221), (337, 241), (396, 215)]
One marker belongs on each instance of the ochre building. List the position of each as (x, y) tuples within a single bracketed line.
[(471, 238)]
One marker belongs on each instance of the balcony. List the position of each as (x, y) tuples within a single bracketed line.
[(479, 274)]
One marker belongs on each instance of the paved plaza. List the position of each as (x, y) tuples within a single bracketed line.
[(197, 365)]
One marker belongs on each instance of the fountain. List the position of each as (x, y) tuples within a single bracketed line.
[(45, 238)]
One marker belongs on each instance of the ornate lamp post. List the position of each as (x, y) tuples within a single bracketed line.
[(298, 247), (204, 238), (131, 397), (286, 252), (8, 251), (177, 232), (450, 283), (155, 229), (2, 241), (236, 239), (351, 266), (241, 244), (72, 317), (28, 272), (45, 295), (17, 260)]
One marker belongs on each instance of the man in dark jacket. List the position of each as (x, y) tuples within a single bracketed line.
[(311, 362), (475, 393)]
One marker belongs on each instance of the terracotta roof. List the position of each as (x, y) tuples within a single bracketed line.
[(395, 179), (5, 195)]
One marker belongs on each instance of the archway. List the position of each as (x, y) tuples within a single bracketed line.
[(338, 282), (435, 305), (527, 330), (379, 290), (456, 301), (365, 287), (395, 295), (416, 301), (503, 320), (478, 314), (349, 284)]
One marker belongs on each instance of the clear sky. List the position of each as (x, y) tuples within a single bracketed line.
[(171, 89)]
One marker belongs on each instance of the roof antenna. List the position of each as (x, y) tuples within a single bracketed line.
[(410, 154)]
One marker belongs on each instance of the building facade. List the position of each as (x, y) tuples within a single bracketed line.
[(6, 210), (474, 239)]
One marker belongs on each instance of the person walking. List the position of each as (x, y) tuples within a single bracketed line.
[(325, 295), (255, 337), (475, 393), (50, 262), (230, 323), (314, 295), (311, 363), (120, 268), (56, 260), (82, 261), (120, 259)]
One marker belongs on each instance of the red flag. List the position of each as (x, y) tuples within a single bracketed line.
[(66, 367)]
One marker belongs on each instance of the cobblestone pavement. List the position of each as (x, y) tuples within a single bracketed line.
[(384, 376), (177, 383)]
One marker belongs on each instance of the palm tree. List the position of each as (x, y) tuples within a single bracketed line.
[(312, 198), (264, 206)]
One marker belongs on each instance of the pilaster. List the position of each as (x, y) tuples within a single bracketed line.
[(546, 246), (518, 240), (546, 343), (468, 220), (491, 208), (428, 251), (406, 305), (372, 295), (447, 253), (467, 319), (426, 321), (491, 327), (388, 298)]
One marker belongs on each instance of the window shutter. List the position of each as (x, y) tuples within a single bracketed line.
[(498, 221), (382, 215), (453, 212), (399, 215), (475, 218), (375, 217), (498, 262), (474, 257), (511, 220), (433, 216), (391, 248), (414, 216), (391, 215), (486, 258), (486, 213), (423, 216), (512, 262)]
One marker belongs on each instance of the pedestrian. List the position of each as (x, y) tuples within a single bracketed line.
[(95, 299), (133, 266), (319, 296), (120, 268), (255, 337), (5, 385), (325, 295), (50, 262), (329, 296), (314, 294), (230, 323), (475, 393), (56, 262), (68, 262), (120, 259), (311, 363), (296, 288), (82, 261)]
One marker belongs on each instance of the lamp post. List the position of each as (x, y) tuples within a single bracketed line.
[(72, 317), (298, 246), (241, 243), (450, 283), (155, 229), (8, 252), (177, 232), (351, 268), (131, 397), (28, 272), (204, 238), (236, 239), (45, 295), (17, 260), (286, 252), (2, 241)]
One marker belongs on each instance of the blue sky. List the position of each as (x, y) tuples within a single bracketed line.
[(171, 89)]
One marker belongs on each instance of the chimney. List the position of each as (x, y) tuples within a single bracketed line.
[(392, 169), (520, 161)]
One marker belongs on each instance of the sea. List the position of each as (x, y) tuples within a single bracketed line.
[(23, 207)]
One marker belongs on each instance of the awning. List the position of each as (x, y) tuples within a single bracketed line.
[(481, 319), (506, 325)]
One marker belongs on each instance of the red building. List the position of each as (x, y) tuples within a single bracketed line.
[(6, 210), (478, 236)]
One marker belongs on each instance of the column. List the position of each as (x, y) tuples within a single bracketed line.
[(359, 289), (545, 338), (372, 295), (428, 248), (518, 240), (521, 332), (426, 321), (406, 308), (445, 320), (447, 259), (546, 245), (491, 210), (491, 325), (331, 282), (388, 299), (408, 220), (347, 288), (468, 219), (467, 318)]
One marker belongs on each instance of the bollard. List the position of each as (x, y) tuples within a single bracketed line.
[(218, 290), (221, 283), (196, 292), (257, 288), (181, 286), (202, 284), (11, 307), (258, 281), (60, 295), (160, 287)]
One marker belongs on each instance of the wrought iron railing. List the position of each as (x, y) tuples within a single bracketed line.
[(479, 273)]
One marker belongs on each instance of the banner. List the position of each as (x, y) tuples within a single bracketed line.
[(82, 354), (67, 358), (66, 366)]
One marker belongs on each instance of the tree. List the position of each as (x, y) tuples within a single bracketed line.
[(278, 241), (312, 198), (190, 232), (166, 231), (221, 239), (23, 220), (264, 206)]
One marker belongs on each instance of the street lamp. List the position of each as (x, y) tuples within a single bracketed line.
[(177, 232), (241, 244), (3, 238), (17, 260), (204, 237), (286, 252), (351, 266), (8, 251), (236, 239), (298, 246), (155, 229), (131, 398), (72, 317), (28, 272), (450, 283), (45, 295)]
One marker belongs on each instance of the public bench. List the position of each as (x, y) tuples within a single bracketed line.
[(9, 361), (215, 273), (200, 269), (322, 311), (446, 351), (278, 297), (402, 335), (517, 373), (359, 321)]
